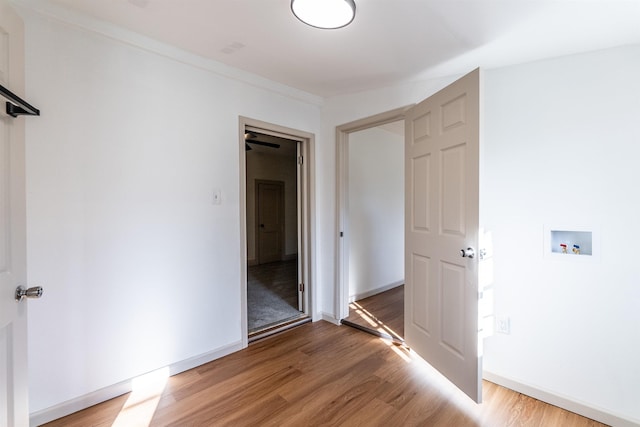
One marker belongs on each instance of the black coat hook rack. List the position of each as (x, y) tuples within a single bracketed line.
[(17, 106)]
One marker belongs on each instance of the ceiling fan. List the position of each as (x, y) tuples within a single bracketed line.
[(251, 138)]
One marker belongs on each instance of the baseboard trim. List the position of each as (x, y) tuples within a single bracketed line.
[(267, 332), (376, 291), (289, 257), (330, 318), (79, 403), (564, 402), (194, 362)]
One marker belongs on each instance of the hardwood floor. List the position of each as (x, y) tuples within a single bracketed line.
[(384, 312), (320, 374)]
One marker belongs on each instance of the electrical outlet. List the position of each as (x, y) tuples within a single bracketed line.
[(503, 324)]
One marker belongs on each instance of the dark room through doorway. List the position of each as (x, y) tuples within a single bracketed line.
[(275, 290)]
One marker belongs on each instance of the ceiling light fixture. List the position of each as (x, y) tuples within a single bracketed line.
[(326, 14)]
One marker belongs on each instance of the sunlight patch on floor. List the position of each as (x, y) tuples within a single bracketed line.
[(146, 391), (401, 351), (456, 396), (364, 314), (380, 326), (372, 320)]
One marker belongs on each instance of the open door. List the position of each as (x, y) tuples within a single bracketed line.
[(441, 232), (14, 409)]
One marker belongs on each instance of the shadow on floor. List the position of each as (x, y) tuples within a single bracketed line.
[(381, 314)]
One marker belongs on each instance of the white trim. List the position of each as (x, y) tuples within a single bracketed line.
[(564, 402), (308, 236), (131, 38), (330, 318), (82, 402), (195, 361), (376, 291), (242, 169)]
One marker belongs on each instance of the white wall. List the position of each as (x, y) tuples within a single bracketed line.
[(140, 269), (561, 148), (376, 211)]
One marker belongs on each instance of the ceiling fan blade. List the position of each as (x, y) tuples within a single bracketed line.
[(264, 144)]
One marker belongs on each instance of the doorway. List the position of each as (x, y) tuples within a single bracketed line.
[(276, 228), (353, 280), (441, 195), (375, 220)]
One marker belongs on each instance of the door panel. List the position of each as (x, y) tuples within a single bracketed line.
[(420, 198), (453, 310), (13, 316), (441, 186), (270, 221), (420, 303), (453, 190)]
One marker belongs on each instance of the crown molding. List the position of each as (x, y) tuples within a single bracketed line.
[(131, 38)]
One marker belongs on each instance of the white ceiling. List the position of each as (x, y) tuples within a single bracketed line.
[(390, 41)]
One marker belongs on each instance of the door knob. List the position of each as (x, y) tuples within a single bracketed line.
[(33, 292), (468, 253)]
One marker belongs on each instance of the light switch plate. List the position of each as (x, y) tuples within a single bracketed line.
[(503, 324)]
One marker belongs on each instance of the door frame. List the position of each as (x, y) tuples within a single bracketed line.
[(306, 220), (280, 185), (341, 298)]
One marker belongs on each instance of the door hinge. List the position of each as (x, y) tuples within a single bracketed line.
[(300, 160), (301, 287)]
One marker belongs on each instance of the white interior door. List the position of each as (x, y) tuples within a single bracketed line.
[(13, 315), (441, 219)]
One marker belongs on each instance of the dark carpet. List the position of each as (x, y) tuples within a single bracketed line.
[(272, 294)]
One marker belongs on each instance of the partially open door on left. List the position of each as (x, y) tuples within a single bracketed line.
[(14, 410), (442, 160)]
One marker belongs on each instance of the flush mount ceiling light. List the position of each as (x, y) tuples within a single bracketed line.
[(327, 14)]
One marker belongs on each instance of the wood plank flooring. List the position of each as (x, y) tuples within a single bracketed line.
[(320, 374), (383, 311)]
